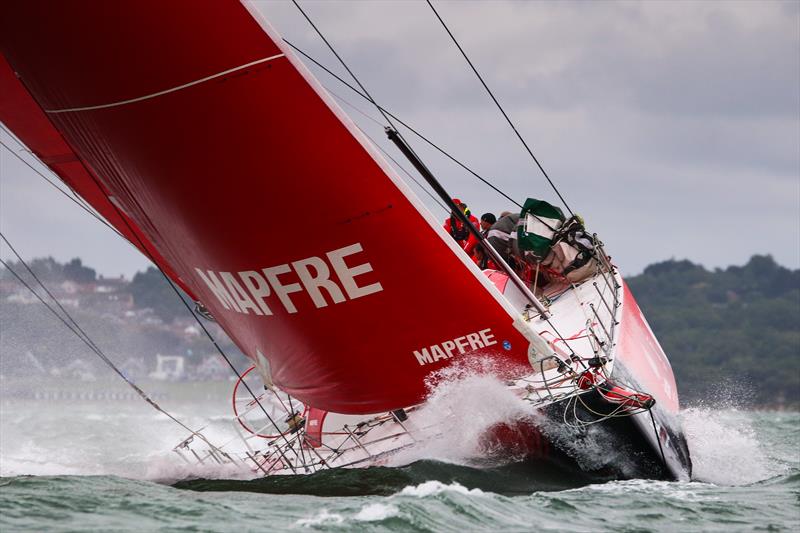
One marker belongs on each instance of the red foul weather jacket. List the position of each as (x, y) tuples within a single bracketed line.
[(463, 237)]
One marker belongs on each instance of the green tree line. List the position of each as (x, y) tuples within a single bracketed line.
[(729, 334)]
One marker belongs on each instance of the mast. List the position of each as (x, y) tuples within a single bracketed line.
[(346, 321), (398, 140)]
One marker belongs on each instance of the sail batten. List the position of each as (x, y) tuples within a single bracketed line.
[(165, 91)]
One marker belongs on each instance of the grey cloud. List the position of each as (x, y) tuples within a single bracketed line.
[(643, 112), (717, 67)]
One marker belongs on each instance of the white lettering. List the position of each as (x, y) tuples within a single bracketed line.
[(240, 295), (460, 342), (218, 289), (249, 290), (347, 274), (446, 349), (423, 356), (449, 346), (474, 341), (313, 283), (258, 287), (488, 338), (437, 352), (282, 291)]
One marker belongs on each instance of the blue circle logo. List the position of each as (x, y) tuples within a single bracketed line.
[(506, 345)]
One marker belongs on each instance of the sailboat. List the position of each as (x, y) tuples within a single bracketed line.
[(192, 130)]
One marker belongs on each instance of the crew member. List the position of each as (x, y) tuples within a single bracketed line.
[(502, 236), (457, 230), (482, 259), (487, 219)]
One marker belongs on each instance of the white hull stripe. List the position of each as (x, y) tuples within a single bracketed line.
[(167, 91)]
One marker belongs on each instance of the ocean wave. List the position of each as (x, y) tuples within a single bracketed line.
[(433, 488), (373, 512)]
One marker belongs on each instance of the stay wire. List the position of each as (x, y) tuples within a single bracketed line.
[(144, 250), (385, 113), (25, 149), (62, 191), (92, 346), (354, 107), (384, 152), (409, 175), (335, 53), (658, 437), (222, 353), (406, 125), (505, 115), (64, 311), (292, 413), (352, 75), (77, 332)]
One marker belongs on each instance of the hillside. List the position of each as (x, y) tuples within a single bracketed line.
[(732, 333), (134, 322)]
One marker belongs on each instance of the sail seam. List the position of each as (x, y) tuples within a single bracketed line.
[(166, 91)]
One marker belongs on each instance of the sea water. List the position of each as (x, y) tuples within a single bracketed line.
[(77, 462)]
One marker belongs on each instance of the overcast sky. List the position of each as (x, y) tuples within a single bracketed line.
[(672, 127)]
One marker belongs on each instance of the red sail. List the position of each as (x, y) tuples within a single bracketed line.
[(261, 195), (20, 113)]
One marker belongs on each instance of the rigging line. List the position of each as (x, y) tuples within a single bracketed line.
[(658, 437), (292, 414), (144, 250), (330, 47), (62, 191), (407, 173), (425, 172), (72, 197), (513, 127), (33, 275), (24, 148), (384, 152), (64, 321), (354, 108), (94, 348), (352, 75), (406, 125)]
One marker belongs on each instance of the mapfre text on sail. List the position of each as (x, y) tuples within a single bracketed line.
[(248, 291)]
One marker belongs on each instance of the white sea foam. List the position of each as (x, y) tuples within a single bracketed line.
[(130, 440), (681, 490), (434, 488), (465, 403), (323, 517), (375, 512), (458, 414), (95, 438), (724, 447)]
